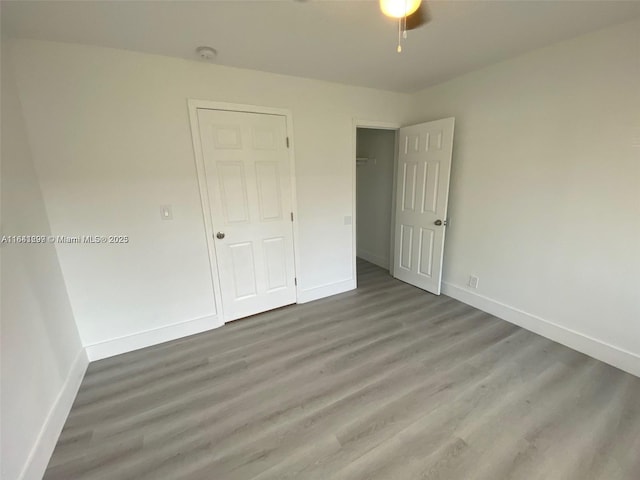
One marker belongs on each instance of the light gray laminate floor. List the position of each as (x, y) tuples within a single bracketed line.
[(384, 382)]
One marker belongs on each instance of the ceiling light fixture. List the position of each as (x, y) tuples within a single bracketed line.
[(400, 9)]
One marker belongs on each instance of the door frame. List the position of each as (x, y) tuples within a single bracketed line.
[(193, 106), (378, 125)]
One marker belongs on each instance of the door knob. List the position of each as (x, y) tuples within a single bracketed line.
[(220, 235), (438, 222)]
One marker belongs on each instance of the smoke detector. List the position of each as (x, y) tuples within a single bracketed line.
[(207, 54)]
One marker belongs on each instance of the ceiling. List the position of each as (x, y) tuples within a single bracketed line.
[(343, 41)]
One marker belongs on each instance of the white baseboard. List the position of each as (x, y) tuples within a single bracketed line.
[(315, 293), (116, 346), (378, 260), (48, 437), (622, 359)]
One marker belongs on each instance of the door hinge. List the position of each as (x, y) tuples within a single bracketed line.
[(292, 216), (295, 281), (287, 142)]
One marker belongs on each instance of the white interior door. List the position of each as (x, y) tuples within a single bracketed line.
[(422, 190), (248, 178)]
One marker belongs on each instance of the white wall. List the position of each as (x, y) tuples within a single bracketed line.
[(374, 188), (112, 143), (545, 198), (42, 357)]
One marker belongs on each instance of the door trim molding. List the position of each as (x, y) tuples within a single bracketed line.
[(378, 125), (193, 105)]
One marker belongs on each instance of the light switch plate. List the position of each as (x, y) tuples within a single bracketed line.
[(166, 212)]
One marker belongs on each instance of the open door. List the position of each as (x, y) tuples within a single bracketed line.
[(422, 190)]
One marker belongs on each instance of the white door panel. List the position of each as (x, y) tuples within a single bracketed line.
[(424, 167), (249, 188)]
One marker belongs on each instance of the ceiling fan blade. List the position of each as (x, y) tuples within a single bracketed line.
[(419, 17)]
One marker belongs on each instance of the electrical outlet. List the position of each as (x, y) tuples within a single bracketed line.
[(473, 281)]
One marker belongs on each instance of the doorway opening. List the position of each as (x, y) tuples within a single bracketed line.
[(375, 168), (405, 189)]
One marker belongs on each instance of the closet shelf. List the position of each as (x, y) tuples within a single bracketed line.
[(365, 160)]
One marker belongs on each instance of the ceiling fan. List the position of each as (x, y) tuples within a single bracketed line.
[(411, 14)]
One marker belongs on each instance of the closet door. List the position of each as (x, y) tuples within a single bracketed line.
[(248, 179)]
